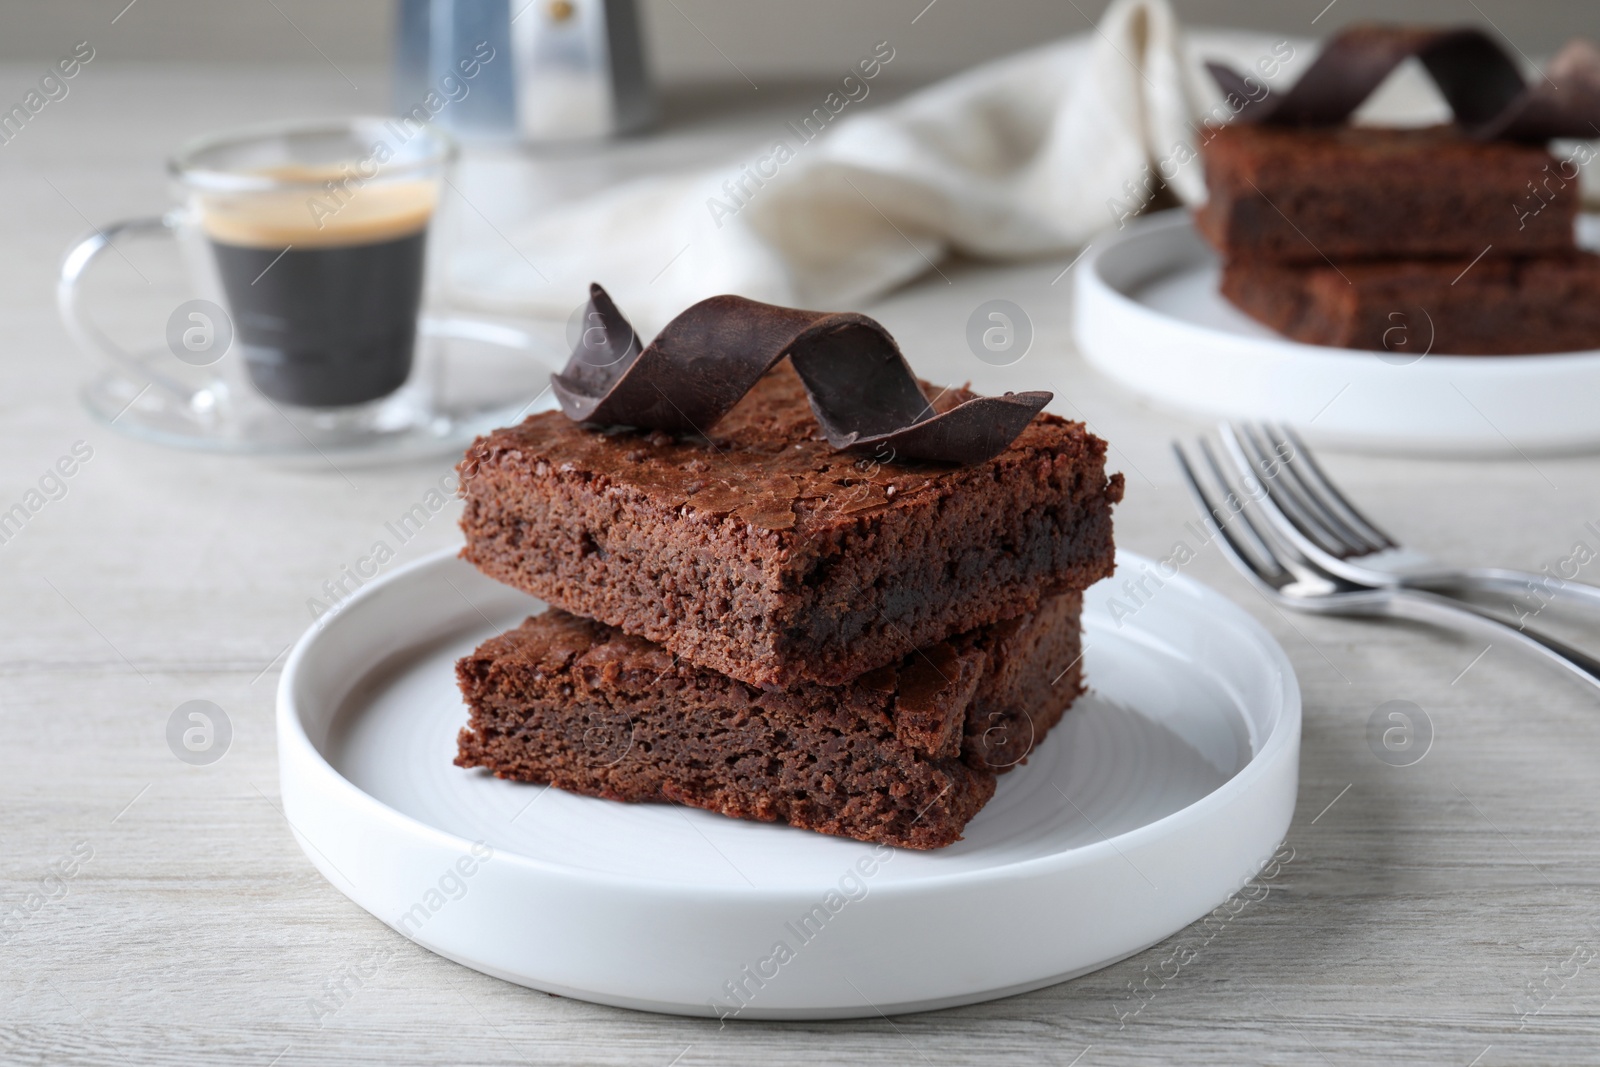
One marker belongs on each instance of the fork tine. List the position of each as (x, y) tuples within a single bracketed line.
[(1350, 539), (1281, 502), (1355, 541), (1252, 568), (1308, 538), (1311, 471), (1278, 548)]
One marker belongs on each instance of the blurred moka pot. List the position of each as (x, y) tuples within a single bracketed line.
[(538, 70)]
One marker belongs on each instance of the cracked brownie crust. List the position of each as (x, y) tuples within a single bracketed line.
[(904, 755), (761, 552)]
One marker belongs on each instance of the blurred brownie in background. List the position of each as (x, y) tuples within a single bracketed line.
[(1290, 194), (1416, 306)]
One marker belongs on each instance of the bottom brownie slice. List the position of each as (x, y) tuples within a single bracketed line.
[(1412, 307), (905, 755)]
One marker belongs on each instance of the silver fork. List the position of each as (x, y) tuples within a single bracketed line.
[(1287, 577), (1310, 512)]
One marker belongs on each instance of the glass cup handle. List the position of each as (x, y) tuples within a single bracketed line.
[(80, 326)]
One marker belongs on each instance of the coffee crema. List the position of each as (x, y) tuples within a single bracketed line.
[(376, 211)]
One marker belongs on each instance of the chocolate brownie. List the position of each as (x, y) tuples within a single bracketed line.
[(764, 553), (1291, 194), (1449, 307), (904, 755)]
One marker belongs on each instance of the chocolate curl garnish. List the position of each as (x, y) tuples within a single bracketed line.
[(704, 361), (1481, 83)]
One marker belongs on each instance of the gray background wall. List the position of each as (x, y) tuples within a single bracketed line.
[(778, 39)]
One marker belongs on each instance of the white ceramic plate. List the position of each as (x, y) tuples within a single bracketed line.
[(1148, 315), (1164, 790)]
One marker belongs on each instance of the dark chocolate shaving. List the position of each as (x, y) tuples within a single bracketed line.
[(1477, 78), (704, 361)]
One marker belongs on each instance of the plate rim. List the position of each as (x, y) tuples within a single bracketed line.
[(1285, 732)]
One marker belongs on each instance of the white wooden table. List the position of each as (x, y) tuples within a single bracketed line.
[(1445, 912)]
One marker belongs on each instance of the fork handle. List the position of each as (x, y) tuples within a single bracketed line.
[(1419, 605), (1528, 590)]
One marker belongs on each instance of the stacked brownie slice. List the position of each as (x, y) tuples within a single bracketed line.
[(1401, 240), (1456, 239), (758, 624)]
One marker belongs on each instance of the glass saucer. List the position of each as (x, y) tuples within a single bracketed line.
[(470, 376)]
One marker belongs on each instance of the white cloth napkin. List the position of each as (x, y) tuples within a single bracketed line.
[(1027, 156)]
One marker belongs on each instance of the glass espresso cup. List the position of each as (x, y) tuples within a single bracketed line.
[(305, 248), (319, 235), (322, 273)]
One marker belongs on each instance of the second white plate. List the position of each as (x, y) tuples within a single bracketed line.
[(1166, 788), (1149, 315)]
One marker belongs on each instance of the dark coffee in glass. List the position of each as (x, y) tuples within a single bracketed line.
[(324, 284)]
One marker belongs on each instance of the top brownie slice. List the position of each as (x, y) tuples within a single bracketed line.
[(763, 553), (1293, 194)]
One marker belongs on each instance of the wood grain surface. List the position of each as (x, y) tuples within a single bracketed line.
[(1445, 912)]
